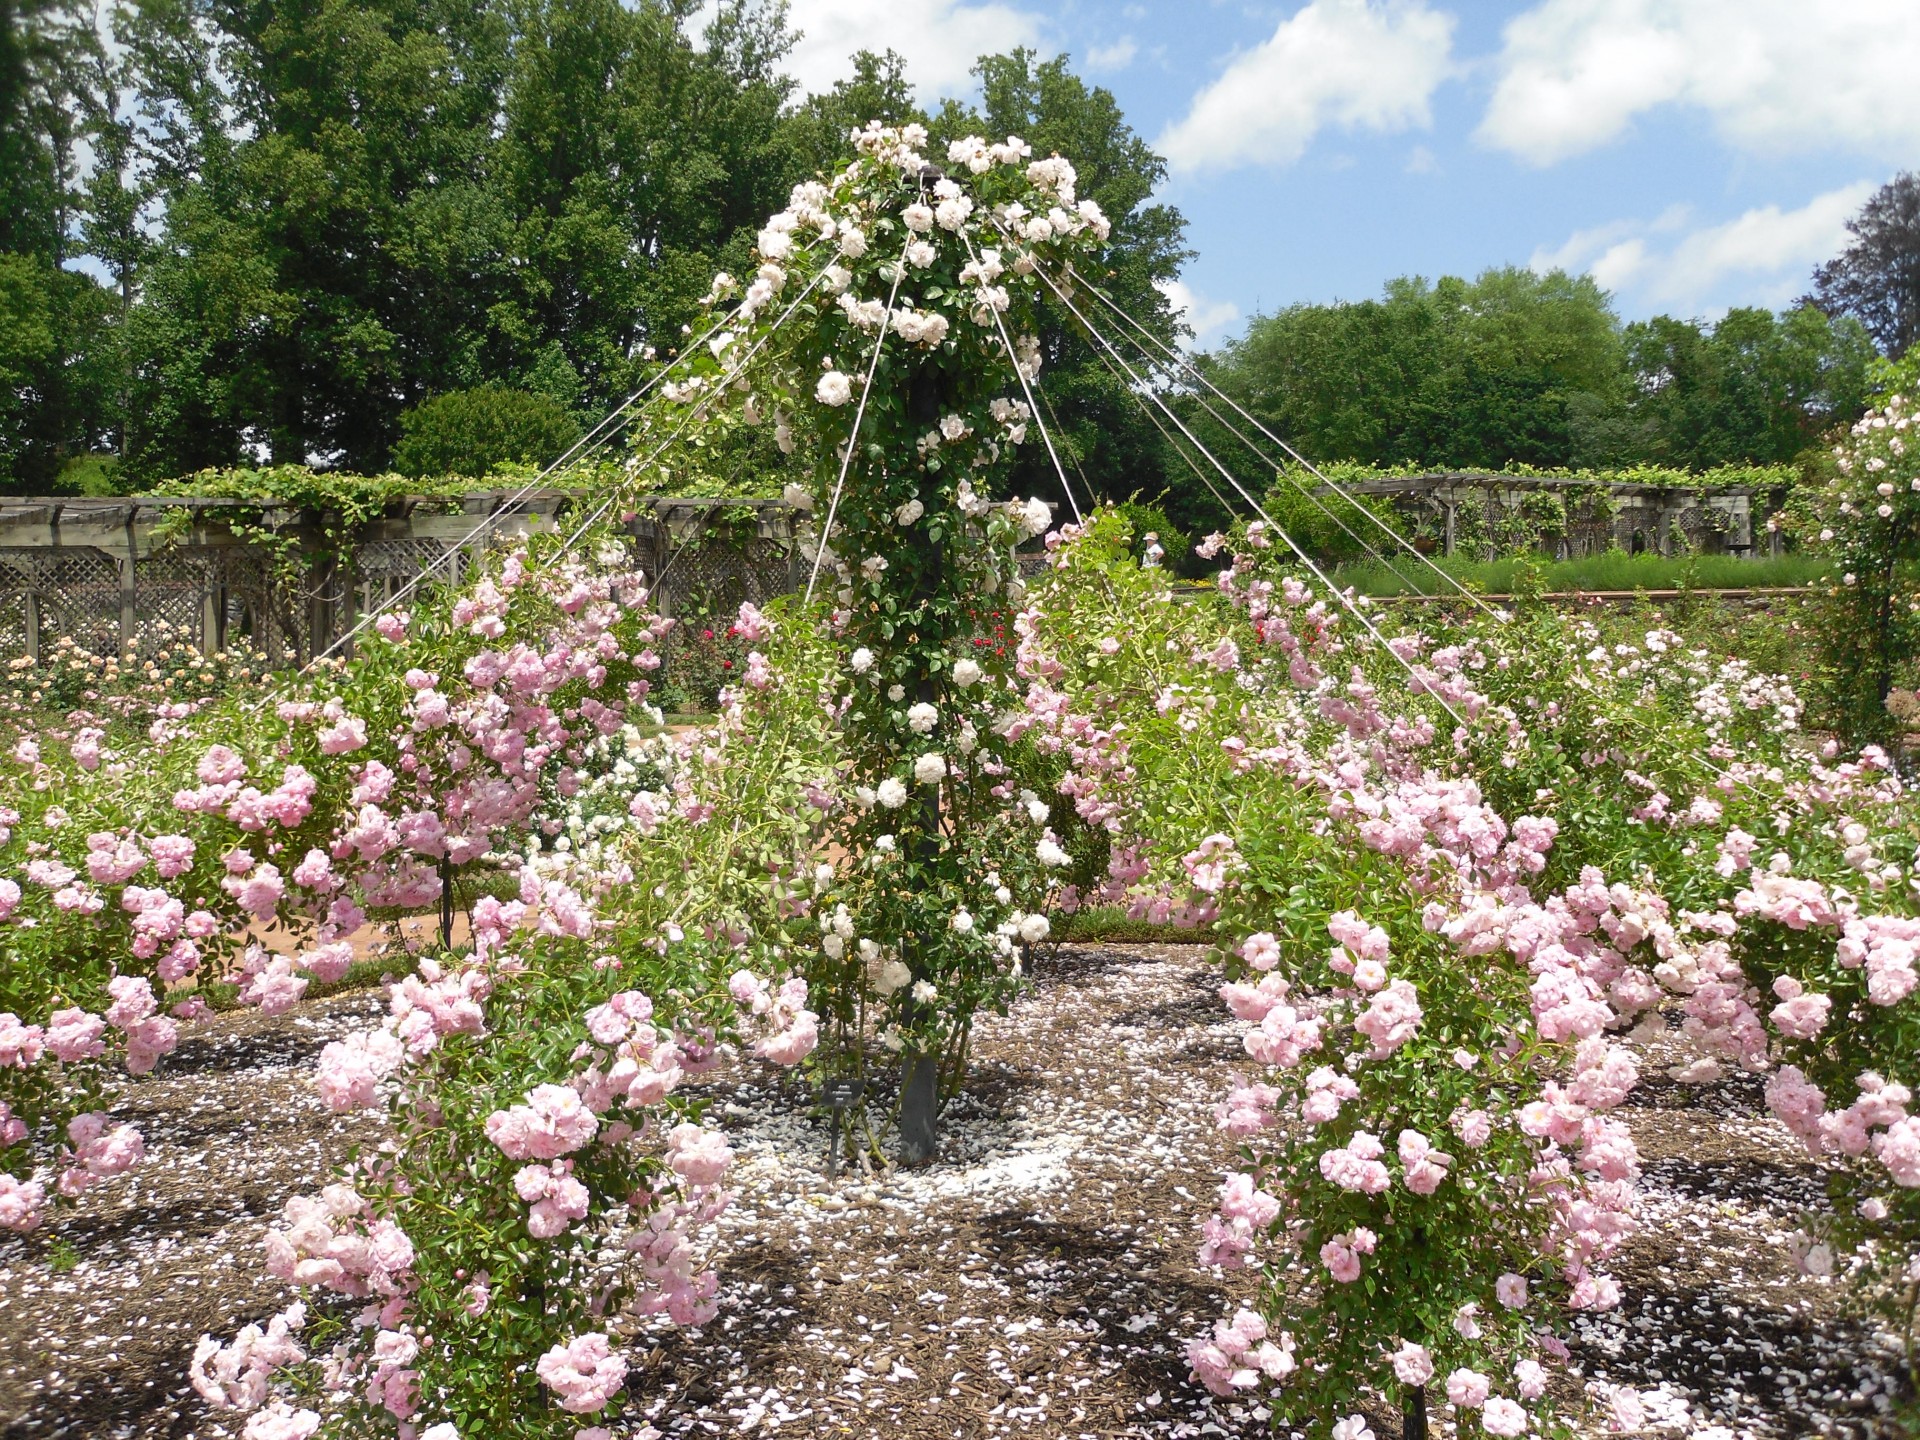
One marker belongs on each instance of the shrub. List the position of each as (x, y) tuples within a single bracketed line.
[(470, 432)]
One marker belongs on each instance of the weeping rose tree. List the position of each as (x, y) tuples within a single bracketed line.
[(543, 1189), (914, 348), (1427, 1175), (542, 1197), (133, 879), (1792, 865)]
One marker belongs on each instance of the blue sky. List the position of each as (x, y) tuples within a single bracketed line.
[(1692, 154)]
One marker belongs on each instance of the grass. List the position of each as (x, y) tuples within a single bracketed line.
[(1613, 570)]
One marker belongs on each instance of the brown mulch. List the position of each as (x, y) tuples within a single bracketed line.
[(1039, 1279)]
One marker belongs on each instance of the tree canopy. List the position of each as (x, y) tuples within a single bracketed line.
[(327, 233), (1876, 279), (275, 232), (1518, 368)]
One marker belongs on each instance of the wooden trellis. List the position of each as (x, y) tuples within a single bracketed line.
[(125, 575)]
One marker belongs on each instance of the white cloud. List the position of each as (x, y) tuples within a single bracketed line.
[(1765, 254), (939, 38), (1422, 161), (1353, 63), (1203, 316), (1774, 75), (1117, 56)]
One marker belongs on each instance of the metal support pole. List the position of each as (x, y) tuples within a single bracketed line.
[(920, 1075), (446, 903), (1413, 1413)]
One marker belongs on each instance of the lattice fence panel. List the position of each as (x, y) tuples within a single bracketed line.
[(382, 568), (255, 610), (1705, 528), (170, 591), (715, 576), (16, 583), (1590, 530), (78, 588)]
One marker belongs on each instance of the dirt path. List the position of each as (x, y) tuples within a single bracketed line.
[(1037, 1281)]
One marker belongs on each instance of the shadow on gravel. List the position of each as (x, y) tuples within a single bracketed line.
[(1084, 1272), (993, 1092), (760, 1339), (1783, 1189), (1077, 961), (1196, 1007), (1721, 1355), (1738, 1097), (187, 1218)]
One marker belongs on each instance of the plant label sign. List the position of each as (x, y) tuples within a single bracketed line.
[(840, 1094)]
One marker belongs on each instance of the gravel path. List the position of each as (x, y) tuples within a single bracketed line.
[(1037, 1281)]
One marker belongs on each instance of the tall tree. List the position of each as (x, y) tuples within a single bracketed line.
[(633, 160), (325, 219), (1876, 279), (1486, 373), (53, 323), (1753, 388), (878, 89)]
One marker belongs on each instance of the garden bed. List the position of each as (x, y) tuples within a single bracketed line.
[(1038, 1280)]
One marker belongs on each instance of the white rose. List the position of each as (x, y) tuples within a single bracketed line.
[(962, 922), (930, 769), (853, 242), (1049, 853), (909, 512), (893, 976), (922, 718), (967, 671), (1034, 929), (896, 693), (798, 497), (892, 793), (833, 389), (833, 945), (861, 661), (918, 218), (925, 992), (1037, 811)]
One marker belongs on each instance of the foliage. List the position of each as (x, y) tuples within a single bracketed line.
[(1242, 806), (704, 657), (925, 932), (1332, 524), (1876, 278), (1868, 519), (1456, 374), (1515, 370), (295, 252), (1753, 387), (473, 432), (1611, 570), (1444, 876), (1109, 449), (1150, 526)]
